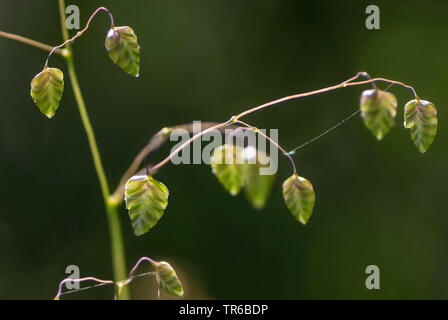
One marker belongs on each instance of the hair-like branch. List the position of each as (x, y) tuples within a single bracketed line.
[(119, 284), (117, 196), (29, 41), (80, 33), (384, 80), (285, 153), (153, 144)]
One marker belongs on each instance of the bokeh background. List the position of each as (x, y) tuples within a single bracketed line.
[(380, 203)]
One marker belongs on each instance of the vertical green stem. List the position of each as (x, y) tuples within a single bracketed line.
[(117, 248)]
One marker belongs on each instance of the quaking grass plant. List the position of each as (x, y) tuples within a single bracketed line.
[(146, 198)]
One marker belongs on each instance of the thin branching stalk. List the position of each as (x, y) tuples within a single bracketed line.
[(68, 41), (153, 144), (29, 41), (120, 285), (119, 191)]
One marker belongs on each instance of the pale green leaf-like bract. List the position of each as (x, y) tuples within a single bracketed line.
[(299, 197), (146, 199), (121, 44), (378, 109), (168, 280), (257, 186), (421, 117), (46, 90), (227, 165)]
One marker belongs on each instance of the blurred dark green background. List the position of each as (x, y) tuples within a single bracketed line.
[(377, 203)]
